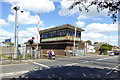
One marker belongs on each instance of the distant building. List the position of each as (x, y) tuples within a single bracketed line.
[(60, 39), (90, 48), (114, 48), (97, 46)]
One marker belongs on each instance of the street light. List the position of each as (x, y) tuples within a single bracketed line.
[(16, 8)]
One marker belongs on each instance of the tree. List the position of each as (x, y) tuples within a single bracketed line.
[(26, 43), (89, 42), (112, 5), (95, 42), (11, 43), (104, 48)]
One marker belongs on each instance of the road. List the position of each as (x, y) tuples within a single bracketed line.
[(90, 61)]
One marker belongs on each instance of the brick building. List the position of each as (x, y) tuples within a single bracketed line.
[(60, 39)]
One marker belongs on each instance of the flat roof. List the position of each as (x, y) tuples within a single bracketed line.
[(62, 27)]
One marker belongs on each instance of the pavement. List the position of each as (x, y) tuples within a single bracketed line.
[(90, 66)]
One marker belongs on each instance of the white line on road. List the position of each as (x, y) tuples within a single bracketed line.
[(71, 64), (39, 64), (112, 69), (13, 73), (101, 59), (107, 58)]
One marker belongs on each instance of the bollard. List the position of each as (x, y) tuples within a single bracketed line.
[(11, 58)]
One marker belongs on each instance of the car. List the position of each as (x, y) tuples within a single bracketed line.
[(116, 53), (111, 54)]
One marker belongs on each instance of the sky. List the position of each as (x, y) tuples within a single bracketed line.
[(98, 26)]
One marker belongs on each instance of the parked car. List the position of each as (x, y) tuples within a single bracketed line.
[(116, 53), (111, 54), (101, 53)]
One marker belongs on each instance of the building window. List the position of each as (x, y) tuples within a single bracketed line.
[(78, 34), (44, 35), (62, 32), (54, 34), (70, 32)]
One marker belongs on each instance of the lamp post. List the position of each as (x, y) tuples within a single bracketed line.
[(16, 8)]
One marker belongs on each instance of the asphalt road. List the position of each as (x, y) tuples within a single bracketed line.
[(88, 62)]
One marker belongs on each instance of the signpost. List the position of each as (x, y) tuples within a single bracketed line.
[(23, 50)]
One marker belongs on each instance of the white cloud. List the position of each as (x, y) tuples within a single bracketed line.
[(101, 33), (25, 18), (30, 32), (5, 35), (102, 28), (64, 4), (92, 36), (92, 10), (98, 37), (34, 5), (97, 19), (80, 24), (3, 23), (82, 17)]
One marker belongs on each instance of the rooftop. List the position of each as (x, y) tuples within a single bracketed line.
[(62, 27)]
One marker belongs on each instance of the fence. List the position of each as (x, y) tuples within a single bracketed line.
[(80, 52), (8, 54)]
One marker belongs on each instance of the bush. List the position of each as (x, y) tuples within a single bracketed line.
[(9, 57), (28, 56)]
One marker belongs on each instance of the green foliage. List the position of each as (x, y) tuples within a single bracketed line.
[(112, 6), (3, 56), (11, 43), (89, 42), (95, 42), (26, 43), (9, 57), (28, 56), (104, 48)]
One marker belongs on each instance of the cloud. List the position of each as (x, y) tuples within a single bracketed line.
[(5, 35), (97, 19), (3, 23), (30, 32), (34, 5), (99, 37), (82, 17), (80, 24), (64, 5), (102, 28), (97, 32), (25, 18), (92, 36)]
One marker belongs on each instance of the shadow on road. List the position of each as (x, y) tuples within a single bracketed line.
[(69, 72)]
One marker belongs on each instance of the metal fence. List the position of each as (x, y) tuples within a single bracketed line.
[(8, 54)]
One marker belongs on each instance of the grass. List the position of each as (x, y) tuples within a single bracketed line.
[(3, 56), (91, 53)]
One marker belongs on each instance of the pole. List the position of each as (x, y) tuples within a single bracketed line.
[(16, 8), (74, 42), (38, 31), (16, 28)]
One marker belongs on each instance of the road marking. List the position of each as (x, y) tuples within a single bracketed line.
[(107, 58), (112, 69), (71, 64), (39, 64), (101, 59), (13, 73), (87, 61)]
